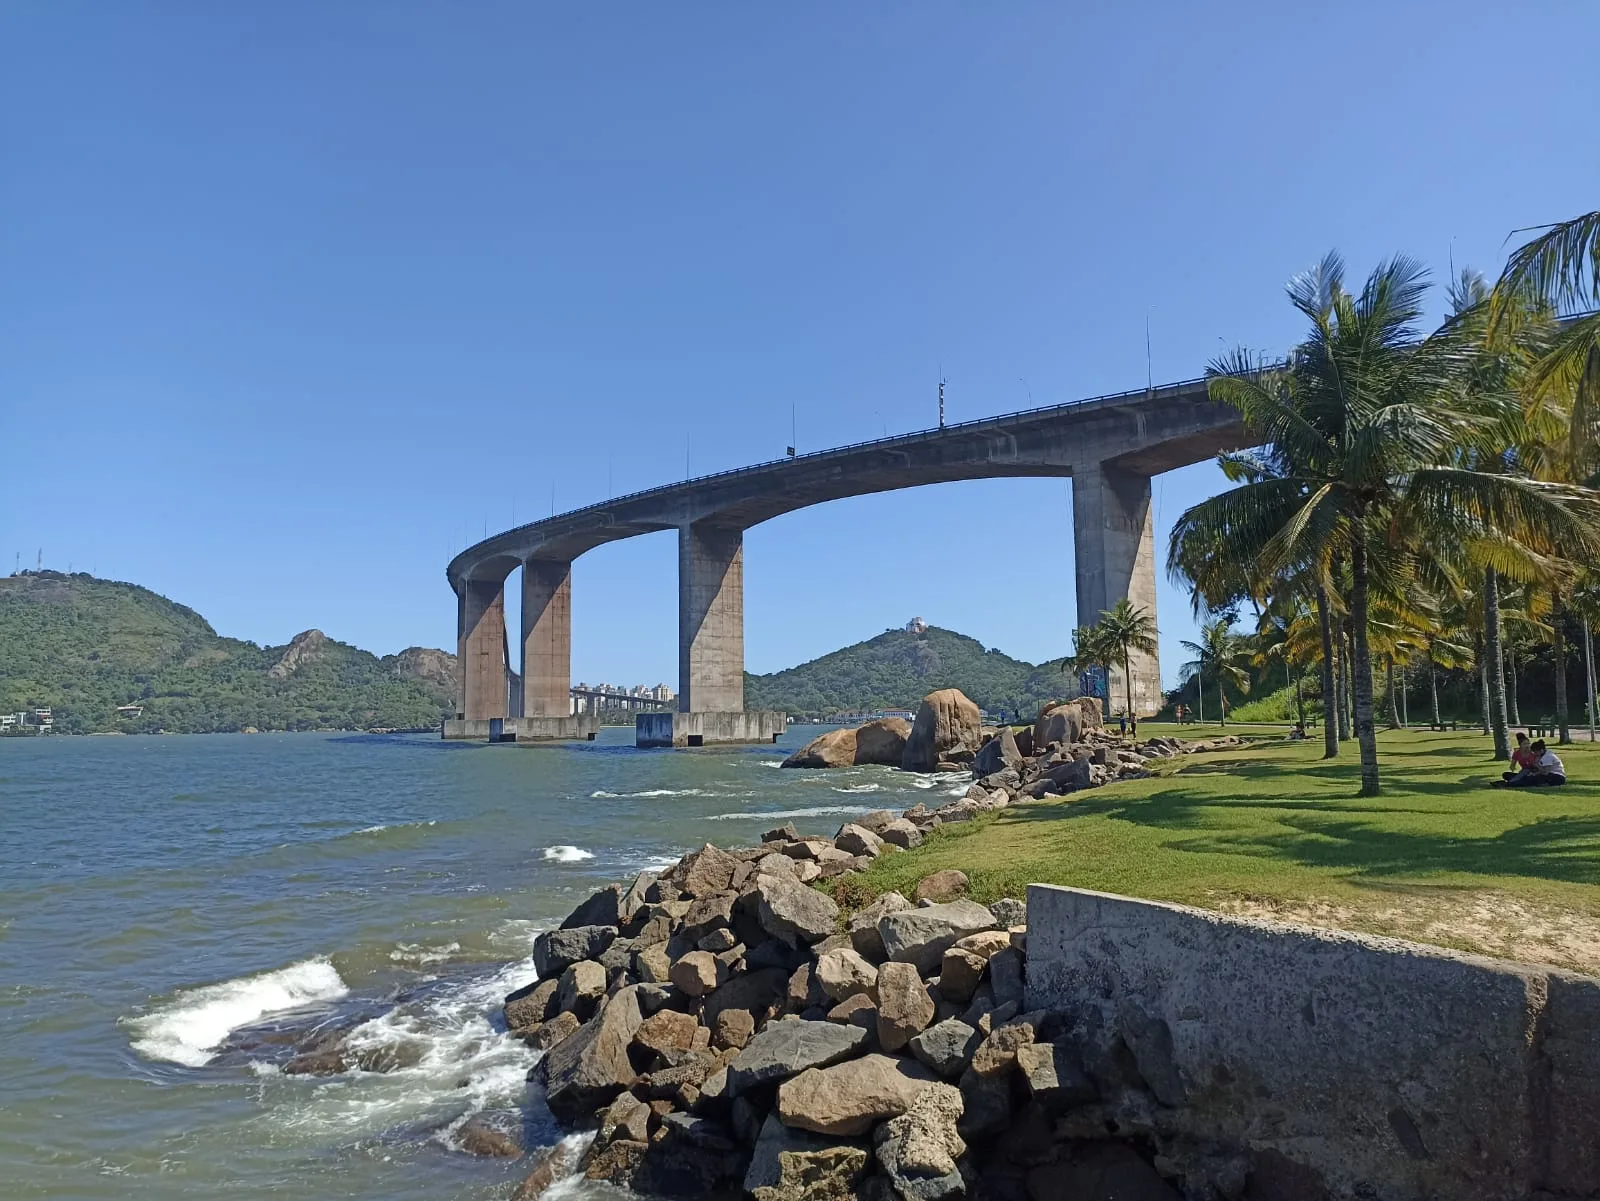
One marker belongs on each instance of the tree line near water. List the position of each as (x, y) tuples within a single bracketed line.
[(1417, 502)]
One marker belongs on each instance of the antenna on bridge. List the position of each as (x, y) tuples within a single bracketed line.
[(793, 441), (942, 382)]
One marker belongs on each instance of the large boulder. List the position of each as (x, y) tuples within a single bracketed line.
[(602, 909), (585, 1072), (902, 834), (836, 748), (863, 925), (843, 972), (918, 1150), (850, 1098), (947, 724), (947, 1048), (794, 913), (791, 1165), (708, 870), (904, 1007), (555, 951), (922, 936), (1066, 722), (535, 1003), (1054, 1076), (883, 741), (999, 753), (582, 985), (754, 992), (858, 840), (942, 886), (786, 1048)]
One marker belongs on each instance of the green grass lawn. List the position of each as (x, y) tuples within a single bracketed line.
[(1272, 829)]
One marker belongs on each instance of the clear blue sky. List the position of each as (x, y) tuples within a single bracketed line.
[(298, 299)]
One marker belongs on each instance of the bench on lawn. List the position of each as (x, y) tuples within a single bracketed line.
[(1442, 725)]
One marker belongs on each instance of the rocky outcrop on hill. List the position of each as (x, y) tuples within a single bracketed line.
[(303, 648)]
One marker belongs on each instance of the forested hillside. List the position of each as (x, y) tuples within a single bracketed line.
[(898, 668), (85, 646)]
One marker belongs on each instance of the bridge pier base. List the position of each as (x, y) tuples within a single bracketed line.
[(580, 728), (546, 638), (1114, 549), (481, 649), (710, 619), (708, 728)]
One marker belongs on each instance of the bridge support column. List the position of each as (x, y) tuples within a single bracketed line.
[(546, 638), (481, 649), (710, 619), (1114, 549)]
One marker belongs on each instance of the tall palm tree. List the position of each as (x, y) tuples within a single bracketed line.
[(1221, 656), (1367, 440), (1091, 650), (1123, 629)]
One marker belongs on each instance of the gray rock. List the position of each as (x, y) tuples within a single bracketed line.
[(918, 1150), (999, 753), (902, 834), (876, 820), (858, 840), (986, 1105), (947, 1048), (529, 1006), (863, 926), (1008, 912), (849, 1098), (785, 1048), (792, 1165), (602, 909), (714, 911), (921, 936), (554, 951), (904, 1007), (1006, 977), (1054, 1076), (755, 992), (843, 973), (794, 913), (783, 833), (586, 1071), (582, 985), (619, 955), (708, 870)]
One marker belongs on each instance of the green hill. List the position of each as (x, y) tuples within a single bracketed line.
[(84, 646), (898, 668)]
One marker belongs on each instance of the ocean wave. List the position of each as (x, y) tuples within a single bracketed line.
[(418, 954), (439, 1057), (768, 815), (861, 788), (566, 854), (772, 763), (189, 1028), (653, 792), (395, 826)]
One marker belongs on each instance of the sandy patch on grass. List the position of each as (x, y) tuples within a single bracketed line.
[(1488, 923)]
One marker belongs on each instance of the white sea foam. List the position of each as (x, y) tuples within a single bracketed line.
[(766, 815), (189, 1028), (772, 763), (566, 854), (421, 954), (449, 1060), (860, 788), (396, 826)]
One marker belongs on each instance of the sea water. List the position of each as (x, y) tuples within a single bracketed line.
[(176, 913)]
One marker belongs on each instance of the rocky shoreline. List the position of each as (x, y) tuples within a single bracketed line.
[(725, 1029)]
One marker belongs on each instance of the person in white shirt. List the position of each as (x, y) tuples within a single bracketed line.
[(1547, 771)]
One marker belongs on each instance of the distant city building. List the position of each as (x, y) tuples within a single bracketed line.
[(130, 710)]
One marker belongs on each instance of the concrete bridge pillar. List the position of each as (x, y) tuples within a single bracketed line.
[(710, 619), (481, 649), (546, 638), (1114, 548)]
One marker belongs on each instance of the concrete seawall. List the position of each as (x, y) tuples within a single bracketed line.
[(1341, 1065)]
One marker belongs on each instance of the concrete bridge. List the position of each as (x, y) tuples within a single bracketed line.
[(1110, 446)]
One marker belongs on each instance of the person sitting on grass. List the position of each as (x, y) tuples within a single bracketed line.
[(1298, 734), (1547, 772), (1522, 759)]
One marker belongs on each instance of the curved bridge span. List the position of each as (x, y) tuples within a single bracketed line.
[(1110, 446)]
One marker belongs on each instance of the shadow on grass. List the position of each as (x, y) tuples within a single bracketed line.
[(1327, 832)]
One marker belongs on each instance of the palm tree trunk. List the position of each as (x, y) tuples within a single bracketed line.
[(1330, 691), (1299, 704), (1483, 681), (1405, 698), (1347, 728), (1433, 689), (1511, 688), (1388, 685), (1558, 622), (1361, 668), (1497, 663), (1588, 663)]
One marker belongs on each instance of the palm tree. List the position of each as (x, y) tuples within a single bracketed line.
[(1366, 439), (1123, 629), (1221, 656), (1091, 650)]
